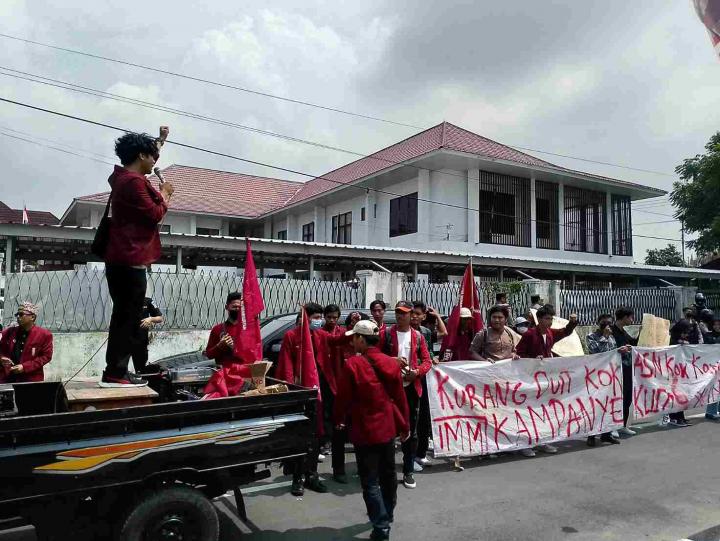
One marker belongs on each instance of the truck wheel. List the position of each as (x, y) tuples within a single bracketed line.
[(172, 514)]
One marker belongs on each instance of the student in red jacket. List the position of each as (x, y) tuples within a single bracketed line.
[(133, 244), (288, 369), (221, 343), (25, 349), (370, 393), (539, 341), (410, 349)]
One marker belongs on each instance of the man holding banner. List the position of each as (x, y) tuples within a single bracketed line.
[(625, 316)]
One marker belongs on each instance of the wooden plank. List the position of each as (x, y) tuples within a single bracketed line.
[(99, 394)]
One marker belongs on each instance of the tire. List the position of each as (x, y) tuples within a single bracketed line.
[(175, 512)]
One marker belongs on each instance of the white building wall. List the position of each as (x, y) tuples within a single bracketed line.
[(179, 223), (450, 188)]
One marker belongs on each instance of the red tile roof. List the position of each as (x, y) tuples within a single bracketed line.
[(234, 194), (35, 217), (220, 192)]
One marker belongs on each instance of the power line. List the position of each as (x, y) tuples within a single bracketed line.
[(210, 82), (55, 148), (660, 222), (141, 103), (301, 102), (255, 162), (54, 141)]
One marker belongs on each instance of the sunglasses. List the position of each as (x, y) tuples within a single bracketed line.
[(20, 314)]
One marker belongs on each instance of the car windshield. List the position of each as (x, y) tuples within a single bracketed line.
[(269, 326)]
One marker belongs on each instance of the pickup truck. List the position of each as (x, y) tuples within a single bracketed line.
[(142, 473)]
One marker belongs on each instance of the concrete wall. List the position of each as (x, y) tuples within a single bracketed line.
[(72, 350)]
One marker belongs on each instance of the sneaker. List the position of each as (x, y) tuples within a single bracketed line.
[(424, 462), (608, 438), (615, 434), (314, 483), (321, 457), (547, 448), (379, 534), (457, 466), (129, 380), (625, 431), (297, 489), (527, 452), (417, 468), (409, 480), (340, 478), (712, 416), (492, 457)]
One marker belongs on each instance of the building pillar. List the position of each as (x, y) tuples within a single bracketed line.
[(320, 224), (311, 267), (533, 212), (10, 243), (369, 223), (193, 224), (501, 274), (473, 206), (267, 229), (608, 213), (561, 217), (178, 260), (291, 227), (415, 271), (424, 214)]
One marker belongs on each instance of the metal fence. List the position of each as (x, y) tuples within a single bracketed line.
[(444, 296), (588, 304), (79, 301), (713, 300)]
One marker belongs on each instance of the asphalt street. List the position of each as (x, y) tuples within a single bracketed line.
[(662, 484)]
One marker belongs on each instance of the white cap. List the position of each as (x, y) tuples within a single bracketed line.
[(521, 322), (364, 327), (465, 312)]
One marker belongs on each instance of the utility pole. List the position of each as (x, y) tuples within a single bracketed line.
[(682, 238)]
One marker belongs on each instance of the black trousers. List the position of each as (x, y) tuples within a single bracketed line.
[(339, 438), (140, 357), (376, 467), (409, 446), (627, 372), (307, 465), (127, 290), (424, 428)]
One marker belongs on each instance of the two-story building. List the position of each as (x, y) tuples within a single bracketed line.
[(444, 189)]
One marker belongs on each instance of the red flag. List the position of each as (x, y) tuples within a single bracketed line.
[(307, 367), (453, 345), (709, 13), (227, 381), (248, 345)]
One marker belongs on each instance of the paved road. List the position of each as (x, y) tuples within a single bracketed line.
[(663, 484)]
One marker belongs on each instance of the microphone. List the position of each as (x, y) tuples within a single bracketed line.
[(159, 175)]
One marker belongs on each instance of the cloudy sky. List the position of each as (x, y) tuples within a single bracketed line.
[(629, 83)]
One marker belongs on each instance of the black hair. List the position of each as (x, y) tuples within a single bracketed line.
[(683, 326), (234, 296), (378, 302), (534, 299), (500, 295), (128, 147), (623, 312), (373, 340), (331, 309), (349, 317), (312, 308), (603, 316), (420, 304), (498, 309), (547, 310)]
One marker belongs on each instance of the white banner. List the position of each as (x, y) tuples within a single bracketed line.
[(480, 408), (674, 378)]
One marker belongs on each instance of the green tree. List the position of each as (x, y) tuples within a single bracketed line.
[(697, 197), (666, 257)]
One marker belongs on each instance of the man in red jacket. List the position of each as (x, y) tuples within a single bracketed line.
[(221, 343), (133, 244), (370, 393), (539, 341), (288, 369), (410, 350), (25, 349)]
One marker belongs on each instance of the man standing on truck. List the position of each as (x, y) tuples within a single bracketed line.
[(370, 393), (289, 369), (26, 348)]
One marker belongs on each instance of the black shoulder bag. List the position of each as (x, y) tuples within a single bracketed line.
[(102, 235)]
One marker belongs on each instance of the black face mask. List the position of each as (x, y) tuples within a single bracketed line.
[(233, 314)]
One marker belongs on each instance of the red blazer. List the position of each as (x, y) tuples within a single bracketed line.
[(137, 209), (221, 354), (422, 365), (531, 344), (287, 366), (373, 398), (37, 353)]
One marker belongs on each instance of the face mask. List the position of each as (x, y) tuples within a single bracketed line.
[(316, 324), (522, 330), (233, 314)]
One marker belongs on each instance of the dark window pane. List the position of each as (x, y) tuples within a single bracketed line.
[(585, 221), (504, 209), (403, 215)]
